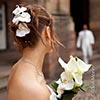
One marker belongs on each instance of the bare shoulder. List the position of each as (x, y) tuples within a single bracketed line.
[(29, 90), (24, 86), (20, 72), (24, 90)]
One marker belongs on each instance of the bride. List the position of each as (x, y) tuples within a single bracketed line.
[(32, 27)]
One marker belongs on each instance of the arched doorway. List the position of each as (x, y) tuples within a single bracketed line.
[(80, 12)]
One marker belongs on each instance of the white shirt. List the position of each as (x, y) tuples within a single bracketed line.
[(85, 38)]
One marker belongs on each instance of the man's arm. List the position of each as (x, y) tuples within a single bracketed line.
[(92, 40), (78, 44)]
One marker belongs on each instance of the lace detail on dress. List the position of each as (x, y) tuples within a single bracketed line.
[(53, 96)]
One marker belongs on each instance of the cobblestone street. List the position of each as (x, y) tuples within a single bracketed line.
[(3, 94), (93, 78)]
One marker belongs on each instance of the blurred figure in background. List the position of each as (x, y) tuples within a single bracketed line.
[(85, 41)]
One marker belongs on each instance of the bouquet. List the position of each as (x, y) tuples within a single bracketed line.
[(71, 79)]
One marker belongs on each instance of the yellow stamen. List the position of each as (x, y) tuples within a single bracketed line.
[(23, 15), (64, 80)]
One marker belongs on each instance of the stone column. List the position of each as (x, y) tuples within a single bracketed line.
[(95, 14), (95, 21), (64, 27)]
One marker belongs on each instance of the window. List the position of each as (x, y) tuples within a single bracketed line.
[(2, 28)]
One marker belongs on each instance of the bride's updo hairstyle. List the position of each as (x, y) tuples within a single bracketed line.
[(28, 23)]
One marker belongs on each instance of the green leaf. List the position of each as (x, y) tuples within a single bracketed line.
[(54, 86), (76, 89)]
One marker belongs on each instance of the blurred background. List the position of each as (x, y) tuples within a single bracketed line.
[(69, 16)]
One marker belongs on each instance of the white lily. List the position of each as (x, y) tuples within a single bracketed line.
[(20, 15), (83, 67), (78, 79), (65, 83), (76, 67), (22, 30), (72, 66), (63, 64)]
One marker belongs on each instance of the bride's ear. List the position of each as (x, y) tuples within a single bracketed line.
[(47, 32)]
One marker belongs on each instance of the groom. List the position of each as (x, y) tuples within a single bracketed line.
[(85, 41)]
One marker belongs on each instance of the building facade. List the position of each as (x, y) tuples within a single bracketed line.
[(69, 15)]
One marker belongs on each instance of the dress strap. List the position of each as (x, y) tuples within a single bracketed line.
[(53, 95)]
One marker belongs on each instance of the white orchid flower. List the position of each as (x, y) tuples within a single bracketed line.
[(19, 10), (20, 15), (65, 83), (23, 17), (22, 30)]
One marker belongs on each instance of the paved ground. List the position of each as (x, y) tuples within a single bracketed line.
[(4, 70), (3, 94), (93, 77)]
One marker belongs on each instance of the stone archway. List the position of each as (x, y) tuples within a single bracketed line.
[(80, 12)]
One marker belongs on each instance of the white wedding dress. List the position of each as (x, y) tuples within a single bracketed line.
[(53, 96)]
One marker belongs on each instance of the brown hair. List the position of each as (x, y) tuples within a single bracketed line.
[(39, 19)]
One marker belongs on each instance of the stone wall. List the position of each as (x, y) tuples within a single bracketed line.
[(95, 21), (64, 28), (10, 55)]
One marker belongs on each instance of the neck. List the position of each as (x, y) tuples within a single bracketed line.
[(35, 56)]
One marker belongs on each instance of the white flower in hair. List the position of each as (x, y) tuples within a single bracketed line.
[(22, 30), (21, 15), (18, 10)]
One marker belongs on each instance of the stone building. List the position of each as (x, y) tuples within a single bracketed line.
[(69, 15)]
